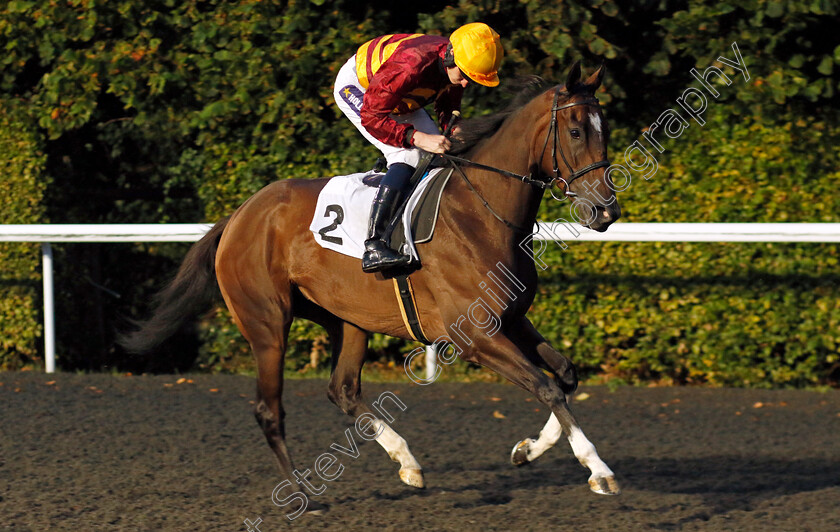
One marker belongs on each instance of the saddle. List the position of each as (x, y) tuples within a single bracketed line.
[(341, 216), (424, 210)]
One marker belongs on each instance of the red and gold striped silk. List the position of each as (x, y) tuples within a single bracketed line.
[(371, 55)]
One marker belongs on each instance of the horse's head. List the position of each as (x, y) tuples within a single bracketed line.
[(575, 151)]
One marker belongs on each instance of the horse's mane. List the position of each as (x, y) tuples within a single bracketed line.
[(474, 130)]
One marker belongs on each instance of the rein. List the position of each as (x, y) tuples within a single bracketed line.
[(511, 225), (524, 178), (553, 132)]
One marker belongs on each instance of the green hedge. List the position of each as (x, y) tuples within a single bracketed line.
[(168, 111), (21, 187), (739, 314), (745, 314)]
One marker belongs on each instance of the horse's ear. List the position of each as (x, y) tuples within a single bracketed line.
[(573, 78), (594, 81)]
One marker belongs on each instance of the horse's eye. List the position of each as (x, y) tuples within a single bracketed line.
[(575, 133)]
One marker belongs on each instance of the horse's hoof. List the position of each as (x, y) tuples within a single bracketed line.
[(316, 508), (604, 486), (413, 477), (519, 455)]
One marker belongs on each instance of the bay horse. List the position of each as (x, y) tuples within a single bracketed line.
[(271, 270)]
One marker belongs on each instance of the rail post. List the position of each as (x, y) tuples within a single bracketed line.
[(49, 307), (431, 362)]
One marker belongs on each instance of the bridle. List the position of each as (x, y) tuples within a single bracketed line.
[(554, 130), (553, 133)]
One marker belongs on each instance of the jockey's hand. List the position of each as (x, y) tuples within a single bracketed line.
[(431, 143)]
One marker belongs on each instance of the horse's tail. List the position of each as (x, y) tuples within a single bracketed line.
[(191, 292)]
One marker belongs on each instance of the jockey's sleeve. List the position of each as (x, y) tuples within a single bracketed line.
[(404, 72), (384, 94)]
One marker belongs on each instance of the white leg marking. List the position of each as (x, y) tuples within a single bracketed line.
[(587, 455), (410, 471), (549, 436)]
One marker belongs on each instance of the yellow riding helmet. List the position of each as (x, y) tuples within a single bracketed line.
[(478, 52)]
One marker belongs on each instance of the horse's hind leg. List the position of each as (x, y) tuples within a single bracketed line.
[(348, 347), (264, 321)]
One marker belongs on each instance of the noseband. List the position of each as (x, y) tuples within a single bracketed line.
[(554, 132)]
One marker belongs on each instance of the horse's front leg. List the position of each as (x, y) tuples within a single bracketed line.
[(602, 479), (537, 348), (502, 355)]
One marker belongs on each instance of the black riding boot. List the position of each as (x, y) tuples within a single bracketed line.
[(378, 256)]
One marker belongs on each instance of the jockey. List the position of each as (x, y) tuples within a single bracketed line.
[(383, 89)]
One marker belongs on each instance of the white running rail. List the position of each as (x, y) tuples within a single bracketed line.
[(619, 232)]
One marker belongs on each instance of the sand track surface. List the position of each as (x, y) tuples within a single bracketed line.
[(105, 452)]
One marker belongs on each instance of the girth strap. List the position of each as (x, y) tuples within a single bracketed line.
[(408, 308)]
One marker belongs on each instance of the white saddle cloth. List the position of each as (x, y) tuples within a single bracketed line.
[(340, 222)]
